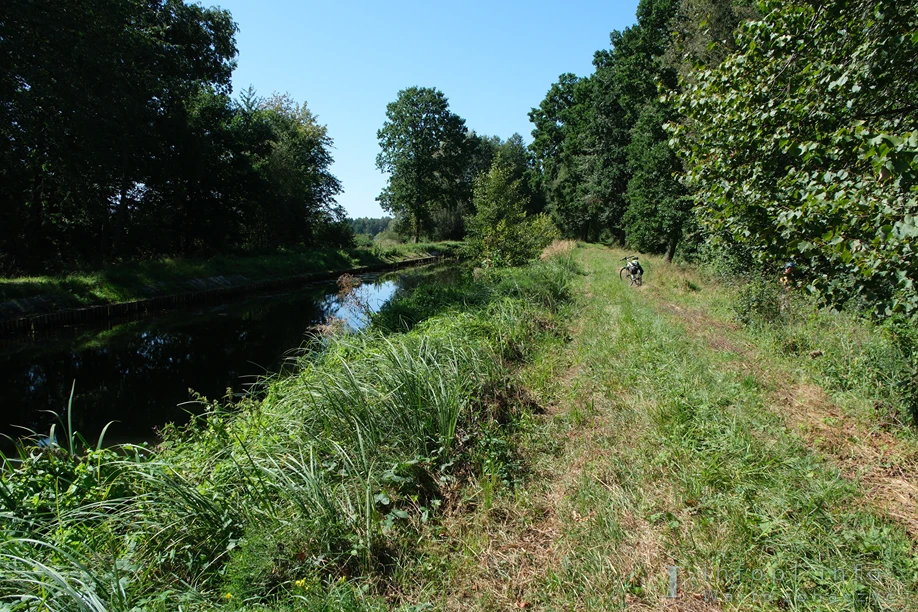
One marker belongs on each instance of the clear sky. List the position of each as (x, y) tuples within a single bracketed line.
[(494, 60)]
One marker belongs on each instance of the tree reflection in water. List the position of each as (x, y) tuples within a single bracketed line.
[(140, 373)]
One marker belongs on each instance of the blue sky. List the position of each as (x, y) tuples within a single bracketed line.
[(494, 61)]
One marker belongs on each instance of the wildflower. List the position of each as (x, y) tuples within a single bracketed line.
[(228, 596), (341, 579)]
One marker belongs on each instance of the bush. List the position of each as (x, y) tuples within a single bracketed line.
[(759, 301), (499, 233), (335, 234)]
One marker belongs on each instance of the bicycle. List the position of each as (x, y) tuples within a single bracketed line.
[(633, 269)]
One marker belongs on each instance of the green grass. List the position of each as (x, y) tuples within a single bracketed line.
[(136, 280), (674, 454), (541, 438), (312, 498)]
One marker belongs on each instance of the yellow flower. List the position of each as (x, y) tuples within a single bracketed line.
[(341, 579), (228, 596)]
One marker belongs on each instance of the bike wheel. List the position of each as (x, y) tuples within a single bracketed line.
[(622, 275), (638, 280)]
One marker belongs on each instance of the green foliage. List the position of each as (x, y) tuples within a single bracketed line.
[(563, 153), (423, 150), (803, 145), (500, 234), (658, 206), (591, 175), (704, 33), (131, 147), (370, 227), (759, 301)]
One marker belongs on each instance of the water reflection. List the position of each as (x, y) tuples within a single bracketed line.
[(140, 373)]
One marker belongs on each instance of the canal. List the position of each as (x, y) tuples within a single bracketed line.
[(144, 373)]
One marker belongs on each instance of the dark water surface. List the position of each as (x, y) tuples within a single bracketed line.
[(139, 373)]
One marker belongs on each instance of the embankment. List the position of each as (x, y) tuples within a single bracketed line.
[(135, 291)]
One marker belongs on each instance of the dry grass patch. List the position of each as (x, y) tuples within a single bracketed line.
[(558, 247), (886, 467)]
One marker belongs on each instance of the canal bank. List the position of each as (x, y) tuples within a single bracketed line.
[(19, 317), (142, 373)]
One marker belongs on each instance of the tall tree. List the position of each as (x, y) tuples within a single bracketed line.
[(561, 154), (88, 92), (424, 150), (658, 205)]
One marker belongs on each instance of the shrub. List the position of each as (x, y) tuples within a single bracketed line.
[(759, 301), (499, 233)]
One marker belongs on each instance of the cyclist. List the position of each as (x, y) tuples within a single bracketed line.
[(786, 276)]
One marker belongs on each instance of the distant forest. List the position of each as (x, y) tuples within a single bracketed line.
[(370, 226), (740, 133)]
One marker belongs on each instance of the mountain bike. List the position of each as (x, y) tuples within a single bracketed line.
[(632, 270)]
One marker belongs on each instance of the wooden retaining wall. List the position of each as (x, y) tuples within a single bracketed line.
[(33, 323)]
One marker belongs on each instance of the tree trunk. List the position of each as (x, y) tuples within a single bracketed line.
[(121, 213), (671, 248)]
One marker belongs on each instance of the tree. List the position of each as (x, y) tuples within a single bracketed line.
[(500, 233), (447, 219), (90, 96), (805, 144), (369, 225), (562, 156), (302, 188), (658, 206), (704, 33), (423, 150)]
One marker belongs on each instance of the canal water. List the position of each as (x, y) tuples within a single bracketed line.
[(142, 374)]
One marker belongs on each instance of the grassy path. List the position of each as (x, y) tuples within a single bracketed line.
[(679, 465)]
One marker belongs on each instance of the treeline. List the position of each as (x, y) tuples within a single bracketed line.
[(606, 165), (369, 225), (600, 163), (120, 140), (433, 159), (749, 134)]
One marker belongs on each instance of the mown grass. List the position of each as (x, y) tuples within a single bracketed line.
[(667, 454), (135, 280), (315, 497)]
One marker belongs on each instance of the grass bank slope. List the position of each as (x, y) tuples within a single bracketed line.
[(315, 496), (686, 462)]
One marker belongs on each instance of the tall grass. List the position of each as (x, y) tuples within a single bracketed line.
[(688, 465), (302, 499), (871, 366)]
